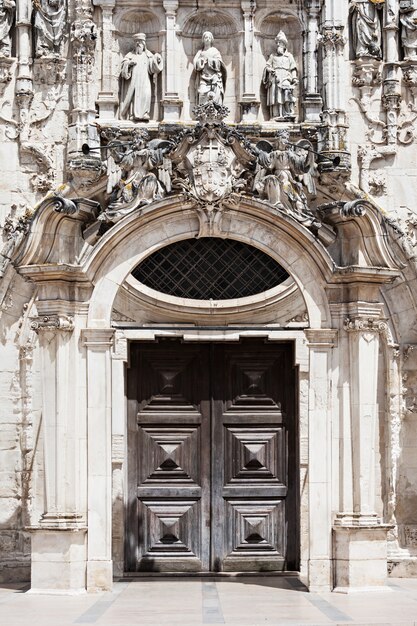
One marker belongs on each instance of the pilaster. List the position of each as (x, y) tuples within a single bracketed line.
[(98, 343), (107, 100), (249, 101), (312, 100), (171, 103), (320, 343), (359, 536), (119, 442), (58, 541)]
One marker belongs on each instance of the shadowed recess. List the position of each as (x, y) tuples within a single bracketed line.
[(210, 268)]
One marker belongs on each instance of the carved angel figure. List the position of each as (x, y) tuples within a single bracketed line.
[(408, 20), (7, 11), (49, 23), (366, 28), (138, 174), (137, 69), (283, 172), (280, 79), (211, 72)]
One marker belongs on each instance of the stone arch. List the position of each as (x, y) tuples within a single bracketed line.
[(288, 242)]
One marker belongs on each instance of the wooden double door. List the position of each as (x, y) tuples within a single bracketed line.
[(212, 466)]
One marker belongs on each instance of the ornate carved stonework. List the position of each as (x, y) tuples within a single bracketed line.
[(52, 323)]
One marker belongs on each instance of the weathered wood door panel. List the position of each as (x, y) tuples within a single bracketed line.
[(212, 437), (250, 435)]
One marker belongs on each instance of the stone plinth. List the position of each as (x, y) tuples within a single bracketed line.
[(59, 561), (360, 558)]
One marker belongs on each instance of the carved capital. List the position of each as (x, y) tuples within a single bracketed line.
[(331, 38), (52, 323), (171, 6), (368, 325), (367, 72)]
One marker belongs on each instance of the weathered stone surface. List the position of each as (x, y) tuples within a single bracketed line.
[(101, 169)]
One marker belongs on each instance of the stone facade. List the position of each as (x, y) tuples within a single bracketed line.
[(290, 126)]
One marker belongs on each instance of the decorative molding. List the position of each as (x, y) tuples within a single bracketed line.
[(370, 325), (52, 323)]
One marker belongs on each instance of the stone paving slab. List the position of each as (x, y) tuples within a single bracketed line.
[(250, 601)]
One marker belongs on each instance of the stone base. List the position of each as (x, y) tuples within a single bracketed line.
[(360, 558), (58, 561), (319, 575), (99, 576), (402, 566), (107, 104), (313, 107), (172, 110), (250, 110)]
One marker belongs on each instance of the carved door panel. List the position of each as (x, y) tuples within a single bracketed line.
[(170, 464), (252, 410), (212, 434)]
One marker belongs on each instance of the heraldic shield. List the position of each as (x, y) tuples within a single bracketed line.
[(213, 166)]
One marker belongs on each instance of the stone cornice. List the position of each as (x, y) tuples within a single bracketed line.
[(98, 338), (321, 337)]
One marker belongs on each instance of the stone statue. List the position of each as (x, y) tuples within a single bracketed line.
[(366, 28), (138, 174), (408, 20), (7, 11), (211, 72), (280, 79), (283, 173), (49, 23), (136, 73)]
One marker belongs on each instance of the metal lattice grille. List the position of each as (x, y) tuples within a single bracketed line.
[(210, 268)]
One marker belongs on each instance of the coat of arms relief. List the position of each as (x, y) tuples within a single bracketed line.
[(212, 165)]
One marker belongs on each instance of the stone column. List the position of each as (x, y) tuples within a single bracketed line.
[(250, 101), (391, 96), (83, 130), (171, 102), (24, 46), (360, 538), (99, 564), (59, 541), (332, 40), (107, 100), (320, 343), (312, 100)]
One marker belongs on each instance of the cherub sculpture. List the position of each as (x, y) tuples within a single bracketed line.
[(138, 174), (284, 173)]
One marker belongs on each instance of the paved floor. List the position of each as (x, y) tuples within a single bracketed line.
[(194, 602)]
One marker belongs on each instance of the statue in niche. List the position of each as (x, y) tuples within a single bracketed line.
[(49, 24), (137, 71), (284, 173), (138, 174), (211, 72), (7, 11), (366, 28), (408, 20), (280, 79)]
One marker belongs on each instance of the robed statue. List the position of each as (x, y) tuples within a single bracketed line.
[(49, 23), (408, 20), (7, 11), (366, 28), (211, 72), (280, 79), (139, 69)]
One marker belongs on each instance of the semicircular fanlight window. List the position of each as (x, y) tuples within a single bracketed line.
[(210, 269)]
